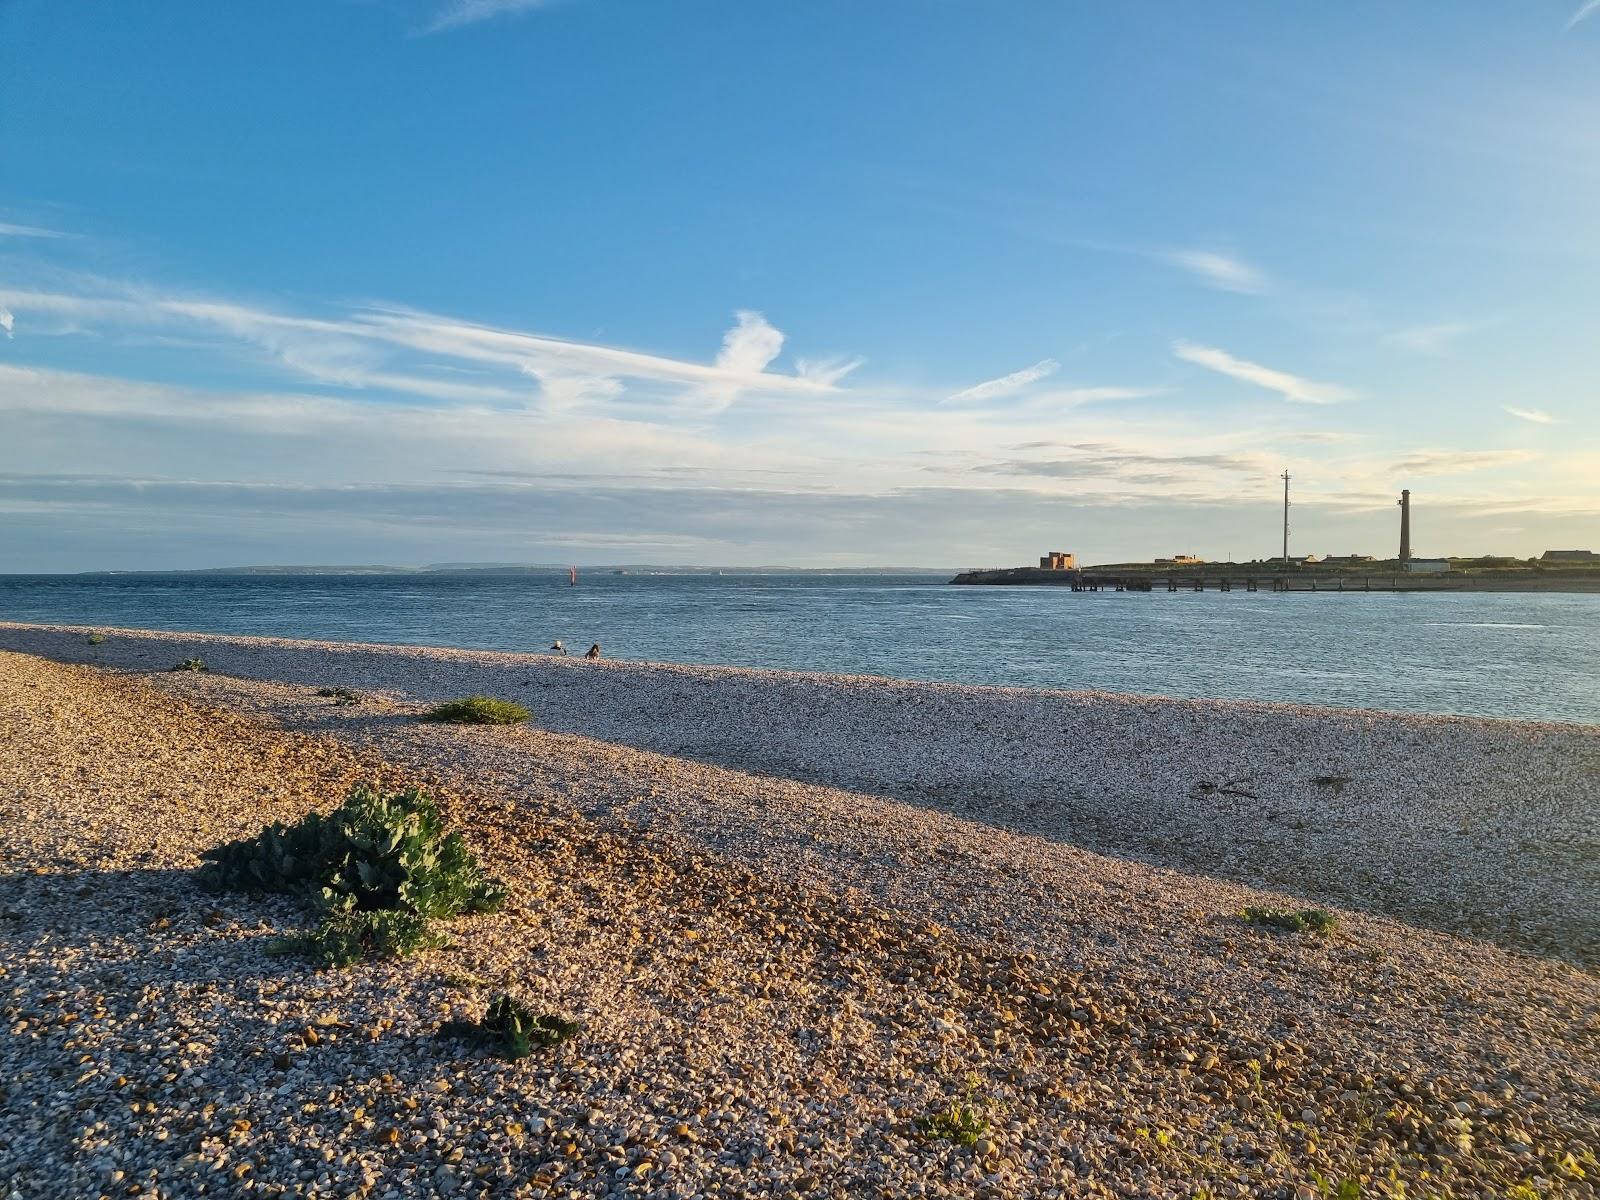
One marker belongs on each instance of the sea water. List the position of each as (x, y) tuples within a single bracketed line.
[(1531, 655)]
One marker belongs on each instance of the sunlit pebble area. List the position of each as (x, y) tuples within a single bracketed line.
[(1462, 824), (777, 977)]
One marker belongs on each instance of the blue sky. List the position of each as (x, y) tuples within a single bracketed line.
[(942, 282)]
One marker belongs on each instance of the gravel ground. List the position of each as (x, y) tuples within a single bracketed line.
[(1490, 828), (776, 980)]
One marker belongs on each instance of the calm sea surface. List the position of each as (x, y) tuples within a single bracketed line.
[(1489, 654)]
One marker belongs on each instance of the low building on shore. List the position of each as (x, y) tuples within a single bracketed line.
[(1426, 566), (1347, 560), (1058, 560), (1180, 560), (1569, 556)]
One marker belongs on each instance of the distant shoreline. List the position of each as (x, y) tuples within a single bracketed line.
[(451, 571)]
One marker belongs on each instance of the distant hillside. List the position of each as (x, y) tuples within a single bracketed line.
[(531, 569)]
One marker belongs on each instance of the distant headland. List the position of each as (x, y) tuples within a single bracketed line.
[(1555, 571)]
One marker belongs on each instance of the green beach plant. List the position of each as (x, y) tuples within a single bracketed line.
[(1336, 1189), (361, 935), (478, 710), (96, 639), (374, 851), (511, 1029), (341, 696), (191, 664), (1284, 920), (379, 867), (960, 1123)]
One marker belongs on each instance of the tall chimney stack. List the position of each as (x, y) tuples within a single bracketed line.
[(1405, 526), (1286, 518)]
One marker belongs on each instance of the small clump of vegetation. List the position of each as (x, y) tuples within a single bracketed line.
[(192, 664), (1285, 920), (96, 639), (511, 1029), (379, 867), (960, 1123), (341, 696), (1336, 1189), (360, 935), (478, 710)]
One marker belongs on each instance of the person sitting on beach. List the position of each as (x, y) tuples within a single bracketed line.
[(558, 647), (594, 651)]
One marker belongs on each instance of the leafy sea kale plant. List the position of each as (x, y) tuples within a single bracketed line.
[(511, 1029), (96, 639), (380, 867), (192, 664)]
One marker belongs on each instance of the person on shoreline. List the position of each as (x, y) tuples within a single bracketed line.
[(558, 648), (594, 651)]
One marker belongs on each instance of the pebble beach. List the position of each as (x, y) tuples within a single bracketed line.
[(796, 915)]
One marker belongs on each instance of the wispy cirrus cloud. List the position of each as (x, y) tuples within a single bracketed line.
[(457, 13), (1430, 339), (1224, 272), (826, 371), (7, 229), (1006, 385), (8, 323), (1584, 10), (1450, 462), (1076, 396), (405, 350), (1533, 415), (1290, 387)]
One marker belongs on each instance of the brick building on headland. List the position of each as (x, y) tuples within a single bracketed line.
[(1058, 560)]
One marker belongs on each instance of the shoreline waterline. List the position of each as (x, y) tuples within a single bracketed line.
[(64, 639)]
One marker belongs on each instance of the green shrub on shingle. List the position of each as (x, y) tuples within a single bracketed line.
[(374, 851), (379, 867), (960, 1123), (361, 934), (1285, 920)]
